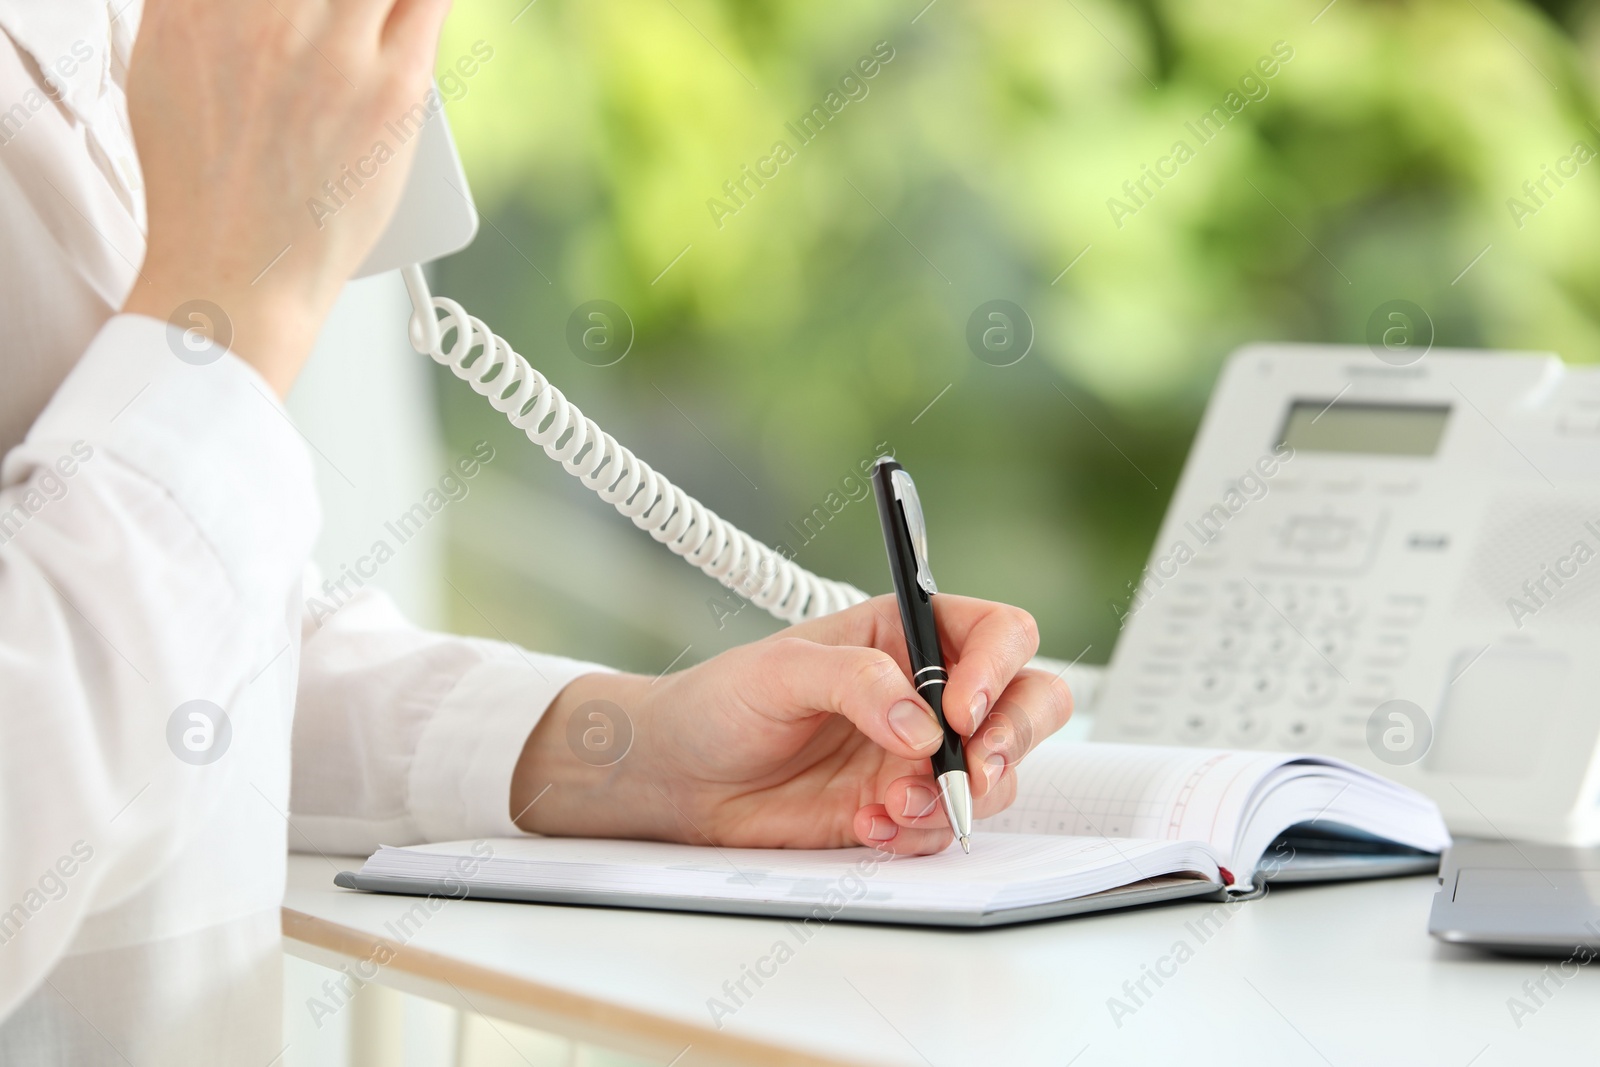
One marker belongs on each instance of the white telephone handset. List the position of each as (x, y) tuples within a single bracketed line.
[(436, 217)]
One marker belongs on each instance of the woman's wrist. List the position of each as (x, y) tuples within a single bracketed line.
[(271, 330), (584, 768)]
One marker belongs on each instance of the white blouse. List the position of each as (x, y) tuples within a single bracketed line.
[(156, 521)]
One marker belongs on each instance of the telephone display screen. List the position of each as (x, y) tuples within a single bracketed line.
[(1373, 429)]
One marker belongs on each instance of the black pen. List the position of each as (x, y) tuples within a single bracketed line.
[(905, 534)]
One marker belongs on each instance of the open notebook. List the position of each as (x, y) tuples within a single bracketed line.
[(1095, 826)]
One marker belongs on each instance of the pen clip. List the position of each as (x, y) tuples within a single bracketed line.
[(905, 491)]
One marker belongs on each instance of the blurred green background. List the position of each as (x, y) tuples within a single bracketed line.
[(777, 345)]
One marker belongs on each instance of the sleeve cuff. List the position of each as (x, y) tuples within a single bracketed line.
[(461, 778), (213, 435)]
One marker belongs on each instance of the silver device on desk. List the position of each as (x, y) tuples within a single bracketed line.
[(1399, 565), (1527, 899)]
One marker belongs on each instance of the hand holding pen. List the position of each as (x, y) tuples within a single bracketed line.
[(814, 737)]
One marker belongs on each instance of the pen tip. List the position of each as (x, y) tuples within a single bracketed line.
[(966, 846)]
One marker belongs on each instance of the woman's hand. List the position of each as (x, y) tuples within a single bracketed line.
[(241, 112), (812, 738)]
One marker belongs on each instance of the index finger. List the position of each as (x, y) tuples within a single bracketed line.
[(985, 645)]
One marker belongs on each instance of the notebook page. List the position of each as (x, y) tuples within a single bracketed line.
[(1095, 788), (1339, 796), (1005, 870)]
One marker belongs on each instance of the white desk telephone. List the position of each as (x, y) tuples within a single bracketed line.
[(1349, 533), (1345, 534)]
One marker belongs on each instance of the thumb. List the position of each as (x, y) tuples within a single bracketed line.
[(796, 679)]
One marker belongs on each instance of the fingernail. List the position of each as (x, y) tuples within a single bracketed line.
[(915, 725), (920, 800), (994, 765), (882, 829), (980, 708)]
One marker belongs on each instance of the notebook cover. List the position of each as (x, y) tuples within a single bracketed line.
[(1150, 891)]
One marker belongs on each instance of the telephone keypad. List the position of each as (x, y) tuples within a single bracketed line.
[(1282, 663)]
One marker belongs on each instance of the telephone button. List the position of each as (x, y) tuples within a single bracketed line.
[(1166, 650), (1190, 599), (1195, 726), (1296, 603), (1156, 680), (1247, 727), (1341, 606), (1299, 732), (1578, 423), (1240, 601), (1174, 640), (1146, 721), (1350, 732), (1314, 534), (1325, 541), (1230, 642), (1375, 689), (1281, 644), (1212, 683), (1333, 645), (1391, 650), (1313, 689), (1263, 687), (1159, 670), (1403, 610)]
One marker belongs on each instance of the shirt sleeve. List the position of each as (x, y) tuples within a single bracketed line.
[(403, 735), (153, 526)]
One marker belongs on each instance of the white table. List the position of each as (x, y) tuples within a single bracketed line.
[(1342, 975)]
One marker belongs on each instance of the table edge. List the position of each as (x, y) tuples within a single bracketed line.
[(598, 1015)]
